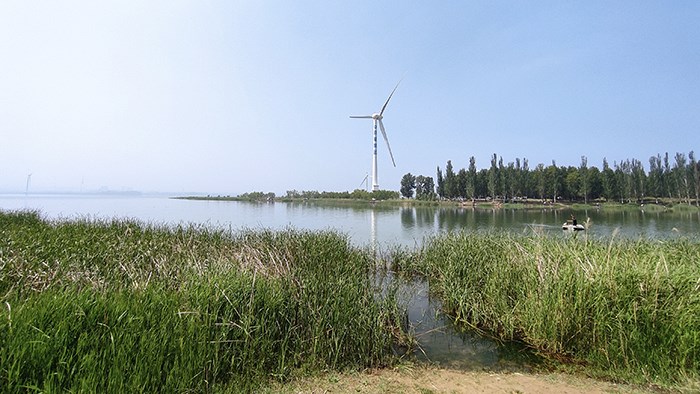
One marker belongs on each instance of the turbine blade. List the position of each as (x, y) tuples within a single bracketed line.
[(363, 180), (381, 126), (361, 117), (387, 100)]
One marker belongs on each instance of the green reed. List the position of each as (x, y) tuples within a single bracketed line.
[(120, 306), (626, 309)]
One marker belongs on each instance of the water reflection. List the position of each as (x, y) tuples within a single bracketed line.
[(439, 340), (600, 223), (408, 218), (374, 245), (442, 342)]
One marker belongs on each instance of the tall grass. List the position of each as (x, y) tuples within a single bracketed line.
[(120, 306), (626, 309)]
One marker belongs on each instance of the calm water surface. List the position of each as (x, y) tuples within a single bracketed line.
[(377, 226), (365, 224)]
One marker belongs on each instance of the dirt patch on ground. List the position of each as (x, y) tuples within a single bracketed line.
[(431, 380)]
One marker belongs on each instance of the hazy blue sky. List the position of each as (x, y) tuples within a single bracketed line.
[(225, 97)]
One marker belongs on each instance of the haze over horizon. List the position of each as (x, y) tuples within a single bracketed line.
[(231, 97)]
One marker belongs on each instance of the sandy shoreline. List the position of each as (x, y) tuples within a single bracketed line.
[(422, 380)]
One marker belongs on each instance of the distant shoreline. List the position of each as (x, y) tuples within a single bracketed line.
[(529, 204)]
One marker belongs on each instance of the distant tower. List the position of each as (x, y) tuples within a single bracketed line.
[(26, 188)]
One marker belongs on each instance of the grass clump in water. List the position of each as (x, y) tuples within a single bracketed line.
[(625, 309), (119, 306)]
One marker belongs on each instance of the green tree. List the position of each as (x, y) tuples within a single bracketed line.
[(481, 185), (695, 176), (553, 182), (681, 177), (493, 177), (625, 181), (385, 194), (450, 181), (502, 185), (517, 179), (462, 183), (609, 182), (293, 194), (655, 178), (361, 194), (471, 178), (595, 185), (525, 181), (572, 183), (425, 188), (408, 184), (583, 176), (538, 179), (639, 178), (669, 183), (623, 178)]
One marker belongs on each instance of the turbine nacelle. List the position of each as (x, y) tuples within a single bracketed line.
[(377, 116)]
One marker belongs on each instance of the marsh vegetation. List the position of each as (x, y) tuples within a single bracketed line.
[(122, 306), (622, 309)]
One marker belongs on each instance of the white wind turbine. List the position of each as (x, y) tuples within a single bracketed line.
[(377, 118), (365, 181)]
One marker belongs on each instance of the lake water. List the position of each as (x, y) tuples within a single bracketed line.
[(365, 224), (379, 227)]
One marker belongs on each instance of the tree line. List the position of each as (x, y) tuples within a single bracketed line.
[(676, 179), (357, 194), (294, 195)]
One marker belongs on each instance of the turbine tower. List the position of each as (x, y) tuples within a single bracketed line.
[(377, 119), (26, 189)]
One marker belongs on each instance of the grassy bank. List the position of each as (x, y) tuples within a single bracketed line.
[(119, 306), (622, 309)]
